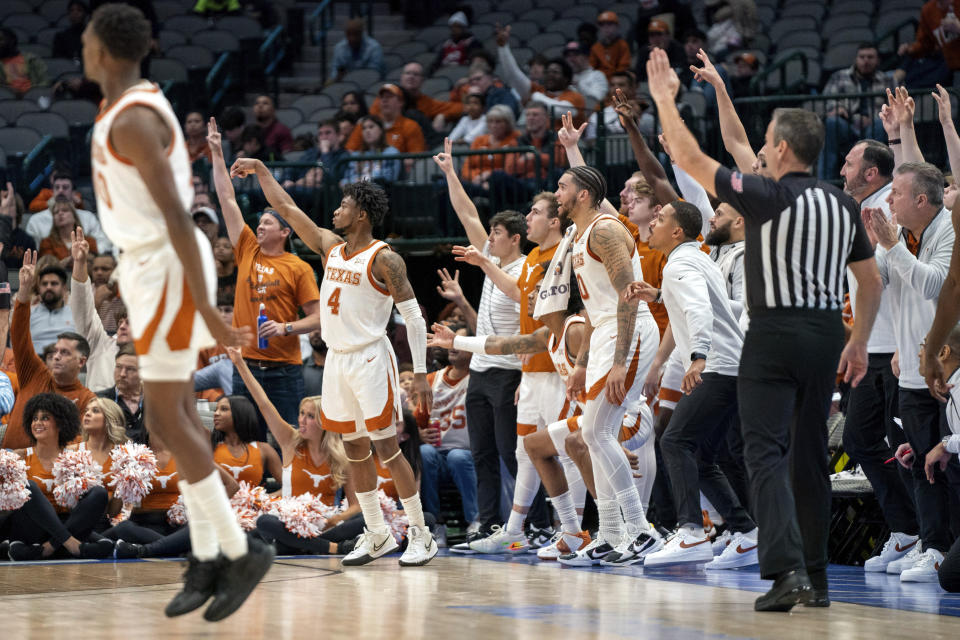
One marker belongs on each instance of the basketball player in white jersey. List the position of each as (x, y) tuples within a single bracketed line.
[(167, 277), (623, 339), (363, 278)]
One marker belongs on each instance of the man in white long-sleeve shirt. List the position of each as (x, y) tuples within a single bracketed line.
[(869, 434), (913, 264), (706, 330)]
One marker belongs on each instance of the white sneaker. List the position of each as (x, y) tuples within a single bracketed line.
[(421, 547), (473, 527), (369, 547), (685, 547), (589, 554), (899, 566), (499, 541), (925, 569), (720, 542), (537, 538), (741, 552), (563, 544), (635, 545), (897, 546)]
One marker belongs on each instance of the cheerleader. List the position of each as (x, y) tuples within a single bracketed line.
[(41, 527), (235, 446), (103, 427), (313, 462)]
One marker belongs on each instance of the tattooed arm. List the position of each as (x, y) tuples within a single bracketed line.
[(389, 268), (535, 342), (614, 246)]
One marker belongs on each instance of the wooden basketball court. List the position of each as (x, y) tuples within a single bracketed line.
[(463, 598)]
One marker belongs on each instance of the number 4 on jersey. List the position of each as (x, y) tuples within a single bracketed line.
[(334, 302)]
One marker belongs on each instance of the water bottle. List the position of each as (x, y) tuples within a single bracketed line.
[(262, 343)]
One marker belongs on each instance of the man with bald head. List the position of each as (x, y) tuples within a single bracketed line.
[(411, 79)]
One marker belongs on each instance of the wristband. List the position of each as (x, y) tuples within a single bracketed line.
[(659, 296), (890, 143), (473, 344)]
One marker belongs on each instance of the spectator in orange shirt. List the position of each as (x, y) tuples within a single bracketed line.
[(65, 221), (516, 184), (611, 52), (556, 92), (402, 133), (501, 133), (439, 111), (938, 31)]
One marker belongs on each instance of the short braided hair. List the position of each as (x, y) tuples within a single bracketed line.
[(590, 179)]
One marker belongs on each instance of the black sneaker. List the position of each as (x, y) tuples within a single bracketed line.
[(347, 546), (791, 588), (464, 547), (4, 550), (238, 578), (199, 583), (20, 552), (128, 550), (99, 550), (634, 551), (588, 555), (537, 538)]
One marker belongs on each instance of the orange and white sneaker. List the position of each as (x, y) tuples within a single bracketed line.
[(562, 544), (740, 552), (499, 541), (685, 547)]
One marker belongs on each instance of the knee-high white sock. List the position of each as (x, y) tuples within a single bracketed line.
[(567, 512), (524, 489), (210, 497), (610, 521), (372, 514), (648, 470), (203, 537), (413, 508), (575, 484)]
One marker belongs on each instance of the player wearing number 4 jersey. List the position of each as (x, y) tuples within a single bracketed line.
[(166, 274), (362, 280)]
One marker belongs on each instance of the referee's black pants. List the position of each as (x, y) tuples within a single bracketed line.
[(787, 376), (690, 445), (870, 438)]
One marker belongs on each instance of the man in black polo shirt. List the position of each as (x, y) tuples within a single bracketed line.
[(801, 235)]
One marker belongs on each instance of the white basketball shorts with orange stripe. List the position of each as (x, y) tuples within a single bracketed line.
[(603, 346), (168, 332), (542, 400), (361, 390)]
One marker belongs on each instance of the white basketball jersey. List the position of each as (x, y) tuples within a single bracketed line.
[(449, 410), (557, 348), (597, 292), (129, 216), (354, 307)]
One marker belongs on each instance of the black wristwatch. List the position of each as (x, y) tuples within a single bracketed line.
[(697, 356)]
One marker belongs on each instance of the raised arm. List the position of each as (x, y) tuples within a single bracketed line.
[(462, 204), (320, 240), (664, 83), (85, 316), (569, 137), (509, 69), (449, 289), (282, 431), (232, 216), (389, 268), (903, 110), (691, 191), (949, 129), (650, 167), (614, 245), (142, 136), (731, 129), (504, 281)]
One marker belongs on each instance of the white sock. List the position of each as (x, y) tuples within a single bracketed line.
[(372, 514), (575, 484), (203, 537), (610, 520), (526, 484), (567, 512), (648, 470), (211, 498), (413, 509), (515, 522), (629, 501)]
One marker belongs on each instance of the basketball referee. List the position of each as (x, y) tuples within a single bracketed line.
[(801, 235)]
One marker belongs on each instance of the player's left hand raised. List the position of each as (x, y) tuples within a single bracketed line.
[(421, 393)]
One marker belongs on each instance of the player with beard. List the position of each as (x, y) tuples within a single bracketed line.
[(363, 278), (622, 340)]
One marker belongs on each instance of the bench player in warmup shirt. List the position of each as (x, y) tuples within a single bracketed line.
[(143, 183), (363, 278)]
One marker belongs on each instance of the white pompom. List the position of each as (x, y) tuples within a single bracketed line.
[(13, 481)]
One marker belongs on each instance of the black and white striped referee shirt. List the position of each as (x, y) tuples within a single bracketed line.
[(800, 235)]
